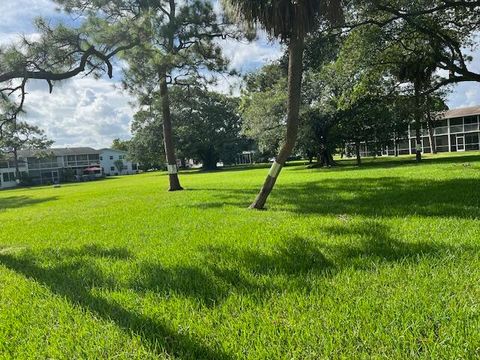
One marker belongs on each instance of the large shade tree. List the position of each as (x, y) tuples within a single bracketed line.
[(290, 21), (177, 48)]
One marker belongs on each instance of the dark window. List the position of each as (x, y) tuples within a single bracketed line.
[(471, 120), (471, 138), (456, 121), (441, 123), (134, 167), (112, 168), (101, 158), (5, 177), (111, 157), (442, 141)]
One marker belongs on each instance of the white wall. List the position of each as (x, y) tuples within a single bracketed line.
[(8, 184), (107, 162)]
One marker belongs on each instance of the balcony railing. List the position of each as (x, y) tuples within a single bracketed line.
[(456, 129), (442, 130), (471, 127)]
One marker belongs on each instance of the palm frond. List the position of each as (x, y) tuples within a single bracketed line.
[(283, 18)]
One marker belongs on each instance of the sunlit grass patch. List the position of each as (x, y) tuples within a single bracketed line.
[(380, 261)]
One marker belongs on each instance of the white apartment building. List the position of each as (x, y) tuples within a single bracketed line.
[(53, 166), (114, 162)]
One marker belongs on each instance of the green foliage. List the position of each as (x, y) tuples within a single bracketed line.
[(283, 18), (378, 262), (207, 127), (180, 44), (263, 108), (119, 144), (146, 145), (19, 135), (119, 165)]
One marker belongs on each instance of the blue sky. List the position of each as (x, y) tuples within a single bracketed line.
[(88, 112)]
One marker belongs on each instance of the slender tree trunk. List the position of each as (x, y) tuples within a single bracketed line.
[(357, 151), (295, 71), (17, 166), (167, 133), (418, 124), (431, 128)]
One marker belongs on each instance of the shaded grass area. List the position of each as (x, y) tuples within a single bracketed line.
[(378, 262)]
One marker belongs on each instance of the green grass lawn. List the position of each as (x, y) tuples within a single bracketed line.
[(381, 261)]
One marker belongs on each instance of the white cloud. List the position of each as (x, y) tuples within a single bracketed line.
[(80, 112), (465, 95), (247, 56)]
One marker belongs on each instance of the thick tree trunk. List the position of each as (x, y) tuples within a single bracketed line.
[(418, 124), (209, 161), (167, 134), (295, 71), (325, 158), (357, 151)]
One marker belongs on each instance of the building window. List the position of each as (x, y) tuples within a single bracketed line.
[(101, 158), (441, 143), (134, 167), (111, 157), (112, 168), (5, 177)]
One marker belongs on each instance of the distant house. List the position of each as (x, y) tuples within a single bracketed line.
[(110, 159), (52, 166)]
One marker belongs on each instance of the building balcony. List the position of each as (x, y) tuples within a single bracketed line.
[(471, 127), (443, 130), (456, 129)]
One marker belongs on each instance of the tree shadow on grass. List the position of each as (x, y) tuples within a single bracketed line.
[(386, 196), (74, 275), (388, 163), (295, 264), (360, 246), (13, 202)]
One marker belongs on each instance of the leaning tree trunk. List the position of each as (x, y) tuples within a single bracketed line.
[(295, 70), (167, 134), (418, 123)]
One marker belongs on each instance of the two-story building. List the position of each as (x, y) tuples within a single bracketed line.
[(455, 130), (51, 166), (57, 165), (114, 162)]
